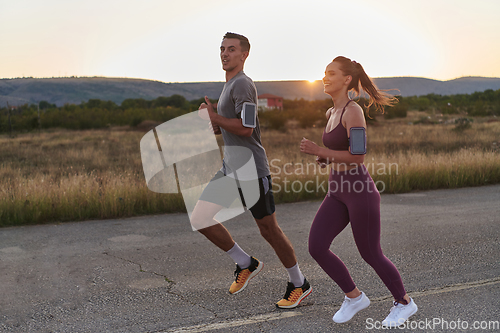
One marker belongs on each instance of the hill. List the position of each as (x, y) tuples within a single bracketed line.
[(60, 91)]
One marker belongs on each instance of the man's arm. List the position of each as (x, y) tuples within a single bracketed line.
[(215, 129), (232, 125)]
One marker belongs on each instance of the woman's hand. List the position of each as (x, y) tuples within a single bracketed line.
[(308, 147), (323, 162)]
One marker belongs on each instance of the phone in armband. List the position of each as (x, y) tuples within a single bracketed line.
[(357, 140), (249, 115)]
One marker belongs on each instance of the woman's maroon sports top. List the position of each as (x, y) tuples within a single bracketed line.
[(337, 138)]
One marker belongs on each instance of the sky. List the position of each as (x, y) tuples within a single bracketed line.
[(178, 41)]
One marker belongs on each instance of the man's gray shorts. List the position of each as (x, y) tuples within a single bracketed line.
[(222, 190)]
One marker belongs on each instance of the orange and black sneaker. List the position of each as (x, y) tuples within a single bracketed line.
[(243, 276), (294, 295)]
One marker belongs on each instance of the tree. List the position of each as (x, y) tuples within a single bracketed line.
[(46, 105)]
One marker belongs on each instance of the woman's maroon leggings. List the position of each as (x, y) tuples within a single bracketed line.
[(352, 197)]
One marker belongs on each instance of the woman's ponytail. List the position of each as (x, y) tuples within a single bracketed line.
[(360, 80)]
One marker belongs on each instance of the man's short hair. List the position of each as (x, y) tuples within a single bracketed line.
[(244, 43)]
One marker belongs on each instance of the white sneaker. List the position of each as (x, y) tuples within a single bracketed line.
[(350, 307), (400, 313)]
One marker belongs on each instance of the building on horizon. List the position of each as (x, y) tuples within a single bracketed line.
[(270, 102)]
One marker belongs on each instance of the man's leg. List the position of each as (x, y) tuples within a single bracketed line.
[(202, 219), (272, 233), (247, 267), (298, 288)]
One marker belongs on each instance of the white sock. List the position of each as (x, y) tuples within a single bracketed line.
[(239, 256), (295, 275)]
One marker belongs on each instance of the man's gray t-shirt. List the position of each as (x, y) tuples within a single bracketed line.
[(238, 90)]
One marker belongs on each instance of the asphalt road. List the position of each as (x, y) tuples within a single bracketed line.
[(153, 274)]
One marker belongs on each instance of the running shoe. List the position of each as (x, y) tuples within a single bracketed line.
[(400, 313), (294, 295), (350, 307), (243, 276)]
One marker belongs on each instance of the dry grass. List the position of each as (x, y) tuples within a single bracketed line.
[(76, 175)]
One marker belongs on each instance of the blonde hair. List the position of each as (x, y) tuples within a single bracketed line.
[(360, 80)]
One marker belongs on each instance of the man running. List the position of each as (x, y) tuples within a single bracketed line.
[(239, 89)]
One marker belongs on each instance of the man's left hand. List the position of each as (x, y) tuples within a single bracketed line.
[(210, 109)]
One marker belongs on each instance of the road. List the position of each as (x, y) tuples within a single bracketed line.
[(153, 274)]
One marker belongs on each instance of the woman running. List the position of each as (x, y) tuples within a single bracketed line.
[(352, 195)]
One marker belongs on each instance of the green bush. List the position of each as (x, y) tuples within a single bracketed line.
[(399, 110), (273, 119), (461, 124), (100, 114)]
